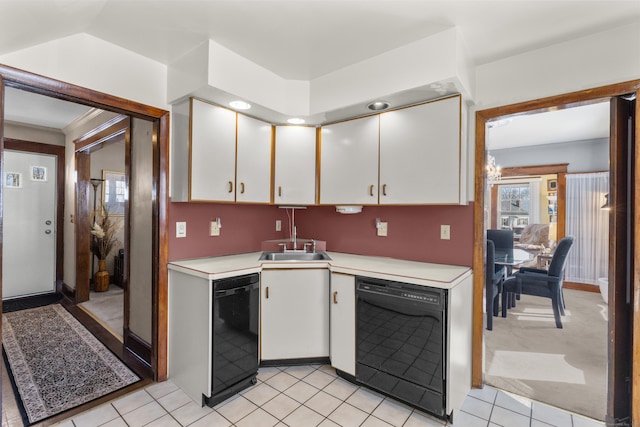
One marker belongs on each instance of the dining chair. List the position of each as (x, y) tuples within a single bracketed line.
[(541, 283), (503, 241), (493, 284)]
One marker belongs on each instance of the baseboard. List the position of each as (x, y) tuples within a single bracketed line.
[(581, 287), (137, 346), (68, 291)]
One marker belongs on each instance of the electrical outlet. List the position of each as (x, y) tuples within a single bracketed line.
[(445, 232), (181, 229), (278, 225), (382, 230), (214, 229)]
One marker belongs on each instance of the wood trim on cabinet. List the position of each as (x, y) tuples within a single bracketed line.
[(572, 99), (318, 163)]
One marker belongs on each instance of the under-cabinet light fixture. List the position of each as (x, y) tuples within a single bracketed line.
[(296, 121)]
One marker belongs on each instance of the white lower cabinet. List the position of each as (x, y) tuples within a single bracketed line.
[(343, 322), (294, 306)]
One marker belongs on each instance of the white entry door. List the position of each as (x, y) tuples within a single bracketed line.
[(29, 230)]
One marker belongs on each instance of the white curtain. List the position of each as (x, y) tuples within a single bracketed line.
[(534, 202), (588, 223)]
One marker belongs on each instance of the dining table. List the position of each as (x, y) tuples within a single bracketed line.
[(512, 257)]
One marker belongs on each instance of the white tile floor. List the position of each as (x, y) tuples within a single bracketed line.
[(306, 396)]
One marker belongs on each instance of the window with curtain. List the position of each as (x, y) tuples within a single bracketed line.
[(518, 204), (588, 223)]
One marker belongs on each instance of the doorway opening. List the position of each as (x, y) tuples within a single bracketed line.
[(565, 367), (150, 162), (624, 125), (106, 207)]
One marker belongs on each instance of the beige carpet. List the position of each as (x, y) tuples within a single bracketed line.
[(107, 308), (527, 355)]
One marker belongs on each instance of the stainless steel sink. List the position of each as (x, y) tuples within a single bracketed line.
[(294, 256)]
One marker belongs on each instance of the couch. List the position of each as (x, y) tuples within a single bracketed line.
[(534, 239)]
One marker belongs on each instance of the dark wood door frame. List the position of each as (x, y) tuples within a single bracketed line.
[(31, 82), (113, 129), (59, 152), (588, 96)]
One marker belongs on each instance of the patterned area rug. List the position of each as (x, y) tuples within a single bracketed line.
[(56, 363)]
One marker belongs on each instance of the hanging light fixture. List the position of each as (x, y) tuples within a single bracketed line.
[(494, 174)]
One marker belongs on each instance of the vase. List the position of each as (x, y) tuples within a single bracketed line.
[(101, 278)]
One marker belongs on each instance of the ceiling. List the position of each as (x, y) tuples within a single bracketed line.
[(305, 39), (582, 123)]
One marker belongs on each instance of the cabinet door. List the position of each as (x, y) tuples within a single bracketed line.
[(295, 174), (213, 152), (349, 162), (343, 323), (253, 170), (420, 154), (294, 314)]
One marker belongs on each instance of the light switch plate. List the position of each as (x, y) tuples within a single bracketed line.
[(278, 225), (445, 232), (382, 230), (181, 229), (214, 230)]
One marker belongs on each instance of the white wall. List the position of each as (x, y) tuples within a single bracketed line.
[(599, 59), (111, 158), (33, 133), (73, 132), (93, 63), (582, 156)]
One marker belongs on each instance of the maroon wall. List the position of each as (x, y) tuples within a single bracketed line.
[(244, 228), (413, 234)]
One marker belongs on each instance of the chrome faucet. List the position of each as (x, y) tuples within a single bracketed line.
[(295, 237)]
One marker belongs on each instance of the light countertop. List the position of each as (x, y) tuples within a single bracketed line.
[(420, 273)]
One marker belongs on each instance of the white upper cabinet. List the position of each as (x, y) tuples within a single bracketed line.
[(420, 151), (253, 170), (349, 162), (219, 155), (295, 165), (212, 152)]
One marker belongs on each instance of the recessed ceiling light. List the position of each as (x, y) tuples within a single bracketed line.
[(498, 123), (240, 105), (378, 105), (296, 121)]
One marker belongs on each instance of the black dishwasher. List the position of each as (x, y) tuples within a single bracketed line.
[(235, 335), (401, 341)]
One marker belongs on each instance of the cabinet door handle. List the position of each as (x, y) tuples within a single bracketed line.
[(384, 189), (335, 297), (371, 190), (279, 191), (267, 292), (230, 187), (242, 188)]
